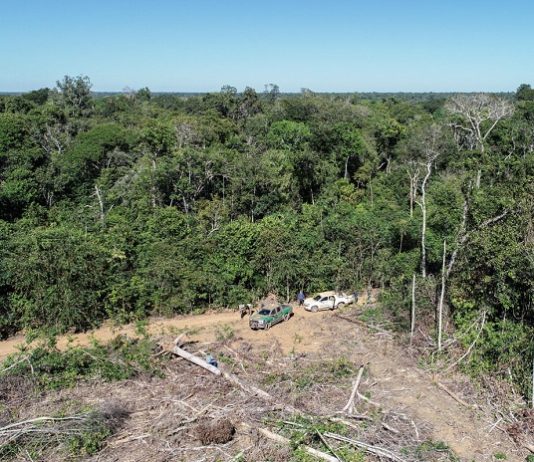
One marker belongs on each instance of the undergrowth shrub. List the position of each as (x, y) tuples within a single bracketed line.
[(52, 368)]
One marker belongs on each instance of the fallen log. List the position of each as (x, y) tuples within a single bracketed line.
[(251, 389), (196, 360)]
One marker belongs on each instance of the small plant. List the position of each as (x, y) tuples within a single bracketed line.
[(324, 372), (225, 359), (307, 431), (499, 456), (141, 327), (89, 441), (224, 333), (341, 367), (425, 450)]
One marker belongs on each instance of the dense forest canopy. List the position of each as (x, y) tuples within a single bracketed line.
[(135, 204)]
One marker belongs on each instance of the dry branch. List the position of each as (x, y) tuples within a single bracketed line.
[(453, 395), (280, 439), (376, 450), (365, 398), (250, 389), (349, 407), (470, 346), (391, 429)]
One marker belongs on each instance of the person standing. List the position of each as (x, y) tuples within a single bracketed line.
[(301, 297)]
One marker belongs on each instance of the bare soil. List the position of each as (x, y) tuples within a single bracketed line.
[(292, 362)]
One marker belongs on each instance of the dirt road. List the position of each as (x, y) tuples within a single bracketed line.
[(204, 328), (397, 382)]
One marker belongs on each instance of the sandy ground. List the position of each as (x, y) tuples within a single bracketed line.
[(294, 335), (395, 380)]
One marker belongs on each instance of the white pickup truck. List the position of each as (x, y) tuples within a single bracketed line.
[(328, 301)]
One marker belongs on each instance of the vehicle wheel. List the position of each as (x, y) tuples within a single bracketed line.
[(286, 317), (314, 309), (341, 305), (268, 326)]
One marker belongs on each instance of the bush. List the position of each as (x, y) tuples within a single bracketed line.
[(52, 368)]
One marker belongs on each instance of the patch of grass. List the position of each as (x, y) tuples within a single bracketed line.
[(341, 367), (173, 330), (225, 359), (425, 450), (274, 377), (90, 440), (224, 333), (303, 430), (373, 315), (499, 456), (324, 372), (52, 368)]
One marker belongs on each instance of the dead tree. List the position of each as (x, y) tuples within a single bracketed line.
[(413, 173), (430, 146), (476, 112), (99, 194), (441, 296)]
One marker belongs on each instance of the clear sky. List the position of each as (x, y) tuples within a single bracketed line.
[(336, 45)]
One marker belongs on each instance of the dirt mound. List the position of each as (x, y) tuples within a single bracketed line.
[(220, 431)]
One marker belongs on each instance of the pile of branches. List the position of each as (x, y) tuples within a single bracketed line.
[(47, 432), (522, 428)]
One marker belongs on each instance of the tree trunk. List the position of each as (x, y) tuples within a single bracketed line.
[(411, 196), (462, 237), (153, 187), (412, 317), (442, 295), (100, 199), (423, 225)]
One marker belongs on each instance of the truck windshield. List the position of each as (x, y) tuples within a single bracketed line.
[(264, 312), (317, 298)]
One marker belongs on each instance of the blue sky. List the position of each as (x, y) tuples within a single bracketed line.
[(336, 45)]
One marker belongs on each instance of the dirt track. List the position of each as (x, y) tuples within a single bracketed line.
[(398, 384), (203, 328)]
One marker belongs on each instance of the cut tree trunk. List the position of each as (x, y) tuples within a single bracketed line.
[(196, 360)]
